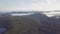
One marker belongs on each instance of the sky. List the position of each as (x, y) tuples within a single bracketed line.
[(30, 5)]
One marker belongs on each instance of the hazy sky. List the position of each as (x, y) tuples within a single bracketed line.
[(28, 5)]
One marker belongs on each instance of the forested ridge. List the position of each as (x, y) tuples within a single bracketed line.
[(32, 24)]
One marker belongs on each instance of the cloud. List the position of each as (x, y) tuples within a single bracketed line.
[(51, 1), (28, 5)]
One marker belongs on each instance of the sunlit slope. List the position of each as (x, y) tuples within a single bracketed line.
[(23, 24)]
